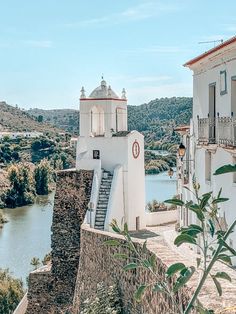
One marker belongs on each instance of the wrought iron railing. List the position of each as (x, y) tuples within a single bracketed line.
[(220, 130)]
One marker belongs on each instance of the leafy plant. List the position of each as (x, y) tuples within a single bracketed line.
[(209, 236)]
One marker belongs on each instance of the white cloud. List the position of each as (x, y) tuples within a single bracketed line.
[(145, 10)]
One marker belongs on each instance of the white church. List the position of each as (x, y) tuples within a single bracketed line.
[(116, 156)]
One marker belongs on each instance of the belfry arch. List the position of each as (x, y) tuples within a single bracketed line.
[(97, 121)]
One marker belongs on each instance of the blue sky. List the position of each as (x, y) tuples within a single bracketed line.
[(50, 48)]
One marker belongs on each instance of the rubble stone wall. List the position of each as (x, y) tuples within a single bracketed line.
[(97, 264), (52, 291)]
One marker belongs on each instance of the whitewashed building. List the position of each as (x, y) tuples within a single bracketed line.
[(15, 135), (117, 157), (211, 140)]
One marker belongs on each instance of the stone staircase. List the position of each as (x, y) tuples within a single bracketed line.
[(103, 199)]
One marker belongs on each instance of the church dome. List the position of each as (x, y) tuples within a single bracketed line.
[(103, 91)]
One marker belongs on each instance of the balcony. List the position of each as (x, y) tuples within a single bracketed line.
[(220, 130)]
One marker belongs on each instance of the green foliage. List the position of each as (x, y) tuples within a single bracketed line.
[(159, 118), (107, 301), (209, 236), (35, 262), (155, 164), (42, 177), (11, 292), (21, 191), (47, 259), (42, 143), (155, 206), (225, 169), (9, 153)]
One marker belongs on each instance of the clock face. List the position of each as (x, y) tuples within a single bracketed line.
[(135, 149)]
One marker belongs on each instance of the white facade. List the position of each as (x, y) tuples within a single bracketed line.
[(104, 144), (212, 136)]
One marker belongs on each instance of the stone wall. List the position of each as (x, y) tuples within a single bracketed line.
[(97, 264), (51, 290)]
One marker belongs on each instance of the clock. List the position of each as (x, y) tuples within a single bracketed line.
[(136, 149)]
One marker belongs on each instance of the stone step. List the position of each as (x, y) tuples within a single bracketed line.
[(99, 228), (100, 216), (102, 202), (105, 186), (102, 208), (100, 220), (99, 224), (100, 211)]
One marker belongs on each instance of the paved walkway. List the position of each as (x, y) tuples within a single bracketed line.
[(162, 243)]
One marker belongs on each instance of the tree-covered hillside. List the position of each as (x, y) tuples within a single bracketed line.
[(156, 119), (15, 119)]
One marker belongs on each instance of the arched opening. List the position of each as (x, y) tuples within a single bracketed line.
[(120, 119), (97, 122)]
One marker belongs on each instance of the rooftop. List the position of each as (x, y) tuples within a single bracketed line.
[(103, 92), (211, 51)]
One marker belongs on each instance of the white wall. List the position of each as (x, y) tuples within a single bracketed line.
[(116, 209), (207, 71), (109, 107), (160, 218)]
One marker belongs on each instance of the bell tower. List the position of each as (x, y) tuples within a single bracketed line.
[(103, 113), (116, 156)]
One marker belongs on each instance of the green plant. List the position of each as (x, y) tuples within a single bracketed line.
[(21, 191), (42, 177), (11, 292), (107, 301), (35, 262), (210, 236)]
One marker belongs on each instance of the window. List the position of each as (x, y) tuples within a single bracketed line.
[(234, 173), (208, 166), (223, 83)]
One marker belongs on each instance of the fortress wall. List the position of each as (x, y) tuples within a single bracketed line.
[(97, 264), (52, 291)]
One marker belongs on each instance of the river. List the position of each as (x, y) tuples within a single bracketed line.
[(27, 234)]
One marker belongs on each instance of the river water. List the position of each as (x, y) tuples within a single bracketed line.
[(28, 232)]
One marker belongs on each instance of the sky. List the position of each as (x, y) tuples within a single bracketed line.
[(50, 48)]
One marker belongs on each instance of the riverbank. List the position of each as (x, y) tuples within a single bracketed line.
[(28, 232), (156, 163)]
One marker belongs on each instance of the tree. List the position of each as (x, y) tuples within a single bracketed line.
[(42, 177), (47, 259), (210, 236), (40, 118), (11, 292), (21, 191), (35, 262)]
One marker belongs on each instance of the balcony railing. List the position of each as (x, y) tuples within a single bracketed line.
[(220, 130)]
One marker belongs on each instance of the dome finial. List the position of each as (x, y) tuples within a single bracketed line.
[(123, 95), (103, 82), (82, 95)]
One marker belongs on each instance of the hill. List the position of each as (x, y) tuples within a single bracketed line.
[(18, 120), (156, 119), (67, 119)]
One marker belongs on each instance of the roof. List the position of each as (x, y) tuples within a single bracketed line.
[(211, 51), (121, 133), (103, 91), (182, 128)]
